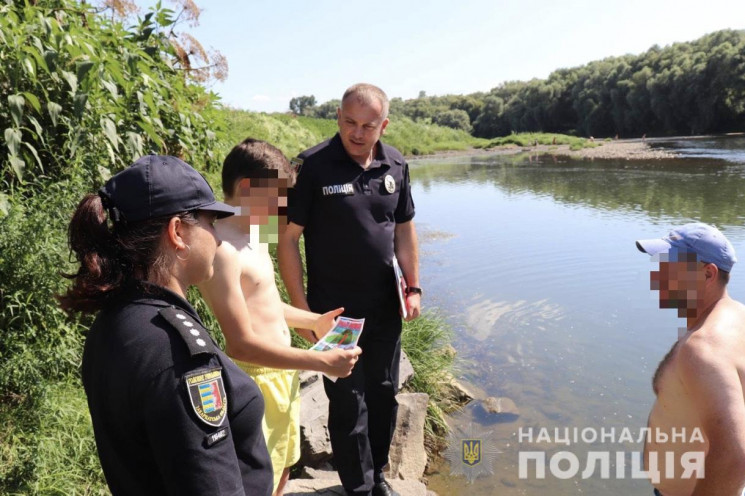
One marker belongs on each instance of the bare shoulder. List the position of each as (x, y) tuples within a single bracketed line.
[(720, 342)]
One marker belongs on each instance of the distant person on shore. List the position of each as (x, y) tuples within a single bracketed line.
[(352, 203), (644, 137), (244, 297), (700, 384)]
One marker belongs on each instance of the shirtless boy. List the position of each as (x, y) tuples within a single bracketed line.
[(700, 383), (243, 296)]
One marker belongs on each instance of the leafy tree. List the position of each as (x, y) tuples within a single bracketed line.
[(456, 119), (326, 110), (302, 105)]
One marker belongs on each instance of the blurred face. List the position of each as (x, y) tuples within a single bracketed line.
[(263, 202), (360, 127), (681, 284), (262, 198)]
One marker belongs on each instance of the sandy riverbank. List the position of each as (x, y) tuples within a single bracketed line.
[(606, 150), (618, 150)]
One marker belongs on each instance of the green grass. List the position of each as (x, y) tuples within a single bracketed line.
[(530, 139), (293, 134), (426, 341), (49, 449)]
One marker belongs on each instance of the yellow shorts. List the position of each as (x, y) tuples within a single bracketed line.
[(281, 425)]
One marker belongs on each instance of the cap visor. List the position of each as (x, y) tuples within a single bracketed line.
[(221, 209), (653, 246)]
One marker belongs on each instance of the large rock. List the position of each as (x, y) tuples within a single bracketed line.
[(315, 446), (406, 370), (408, 458), (499, 409), (331, 486)]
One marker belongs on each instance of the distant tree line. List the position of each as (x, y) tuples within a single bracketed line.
[(686, 88)]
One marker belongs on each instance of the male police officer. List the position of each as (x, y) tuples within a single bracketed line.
[(352, 202), (700, 385)]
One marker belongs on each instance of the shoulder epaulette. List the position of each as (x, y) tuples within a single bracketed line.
[(195, 336)]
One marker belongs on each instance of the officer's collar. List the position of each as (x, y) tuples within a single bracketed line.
[(341, 153), (147, 293)]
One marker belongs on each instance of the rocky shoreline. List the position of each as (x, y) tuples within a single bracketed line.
[(408, 458)]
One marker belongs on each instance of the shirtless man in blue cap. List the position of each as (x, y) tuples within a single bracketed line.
[(696, 439)]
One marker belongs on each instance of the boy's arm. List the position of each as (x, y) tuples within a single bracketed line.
[(311, 326), (224, 295)]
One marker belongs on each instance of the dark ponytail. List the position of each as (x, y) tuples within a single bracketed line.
[(112, 255)]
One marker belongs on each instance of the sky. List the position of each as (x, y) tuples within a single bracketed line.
[(278, 49)]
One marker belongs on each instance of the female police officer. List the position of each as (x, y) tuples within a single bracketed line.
[(171, 413)]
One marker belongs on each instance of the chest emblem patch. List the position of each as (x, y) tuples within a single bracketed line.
[(207, 395), (390, 183)]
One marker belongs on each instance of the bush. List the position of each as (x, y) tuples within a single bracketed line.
[(455, 119)]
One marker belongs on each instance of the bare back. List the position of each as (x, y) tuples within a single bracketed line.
[(680, 407)]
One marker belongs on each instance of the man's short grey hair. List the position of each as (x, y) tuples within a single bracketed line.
[(365, 94)]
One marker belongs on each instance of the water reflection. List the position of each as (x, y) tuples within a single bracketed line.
[(549, 297), (703, 189)]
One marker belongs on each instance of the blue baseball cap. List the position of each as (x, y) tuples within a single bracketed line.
[(157, 186), (706, 241)]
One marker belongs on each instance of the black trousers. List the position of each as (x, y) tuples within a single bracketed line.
[(362, 407)]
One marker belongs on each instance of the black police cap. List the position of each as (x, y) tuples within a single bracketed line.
[(156, 186)]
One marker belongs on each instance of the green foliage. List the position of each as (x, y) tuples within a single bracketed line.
[(83, 97), (426, 341), (456, 119), (48, 444), (302, 105), (39, 341), (531, 139), (84, 93), (293, 134), (686, 88), (326, 110)]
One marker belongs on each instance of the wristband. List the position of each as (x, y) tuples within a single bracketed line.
[(414, 290)]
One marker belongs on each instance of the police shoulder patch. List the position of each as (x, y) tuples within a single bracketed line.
[(207, 395), (194, 335)]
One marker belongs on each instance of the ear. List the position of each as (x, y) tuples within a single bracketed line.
[(711, 272), (174, 234), (384, 125)]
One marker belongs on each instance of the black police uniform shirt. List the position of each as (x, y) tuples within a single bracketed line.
[(349, 215), (171, 413)]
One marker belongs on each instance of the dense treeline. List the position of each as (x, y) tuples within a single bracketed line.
[(686, 88)]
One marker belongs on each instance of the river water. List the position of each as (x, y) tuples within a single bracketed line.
[(532, 261)]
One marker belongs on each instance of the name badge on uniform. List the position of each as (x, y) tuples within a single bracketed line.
[(207, 395), (338, 189), (390, 183)]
